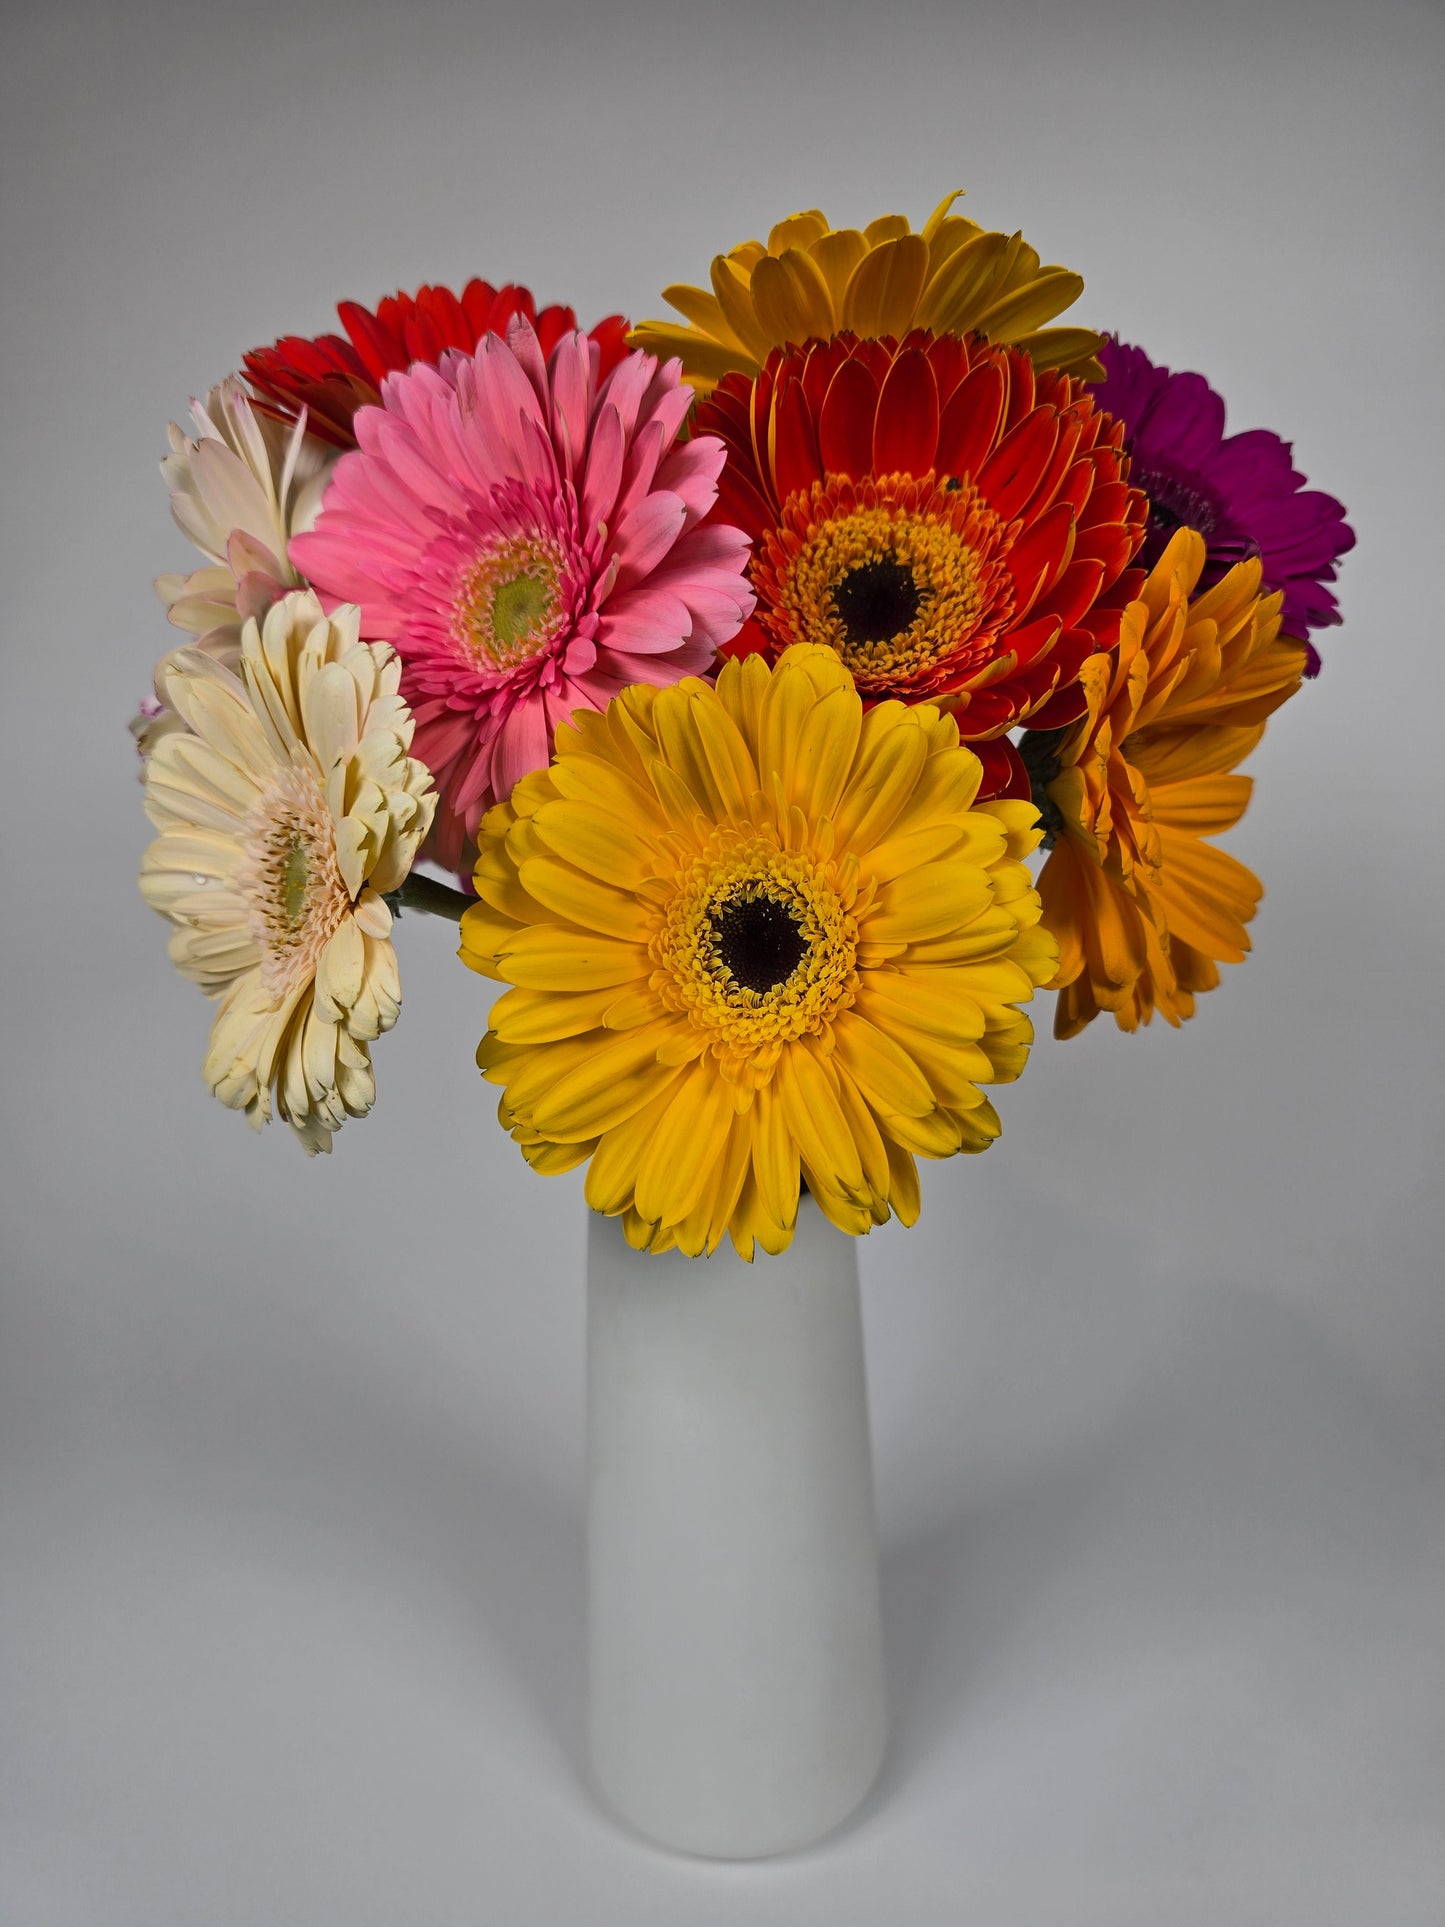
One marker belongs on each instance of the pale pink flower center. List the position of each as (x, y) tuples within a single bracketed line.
[(294, 894), (511, 603)]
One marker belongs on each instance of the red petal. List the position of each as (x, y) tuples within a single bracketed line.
[(1022, 397), (1046, 493), (610, 336), (1031, 687), (794, 452), (905, 428), (845, 421), (820, 359), (1004, 774), (740, 502), (378, 347), (447, 317), (987, 711), (1109, 543), (1067, 705), (751, 640), (1032, 639), (477, 299), (968, 427), (1037, 559), (1010, 475), (1076, 591)]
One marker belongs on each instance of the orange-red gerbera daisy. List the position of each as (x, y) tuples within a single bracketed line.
[(331, 377), (958, 526)]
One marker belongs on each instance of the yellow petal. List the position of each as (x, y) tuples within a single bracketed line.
[(886, 1075), (933, 900), (815, 1118), (583, 900), (690, 1137), (552, 957), (791, 298), (884, 290)]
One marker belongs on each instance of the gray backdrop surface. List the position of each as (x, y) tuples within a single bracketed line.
[(290, 1452)]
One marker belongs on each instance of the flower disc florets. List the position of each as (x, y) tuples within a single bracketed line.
[(758, 944)]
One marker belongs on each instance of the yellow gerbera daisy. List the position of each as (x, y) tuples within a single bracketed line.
[(812, 279), (1143, 908), (753, 933), (286, 808)]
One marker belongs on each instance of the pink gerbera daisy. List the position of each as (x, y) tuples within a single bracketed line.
[(528, 541)]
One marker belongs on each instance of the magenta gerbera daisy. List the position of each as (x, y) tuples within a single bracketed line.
[(1242, 493), (527, 538)]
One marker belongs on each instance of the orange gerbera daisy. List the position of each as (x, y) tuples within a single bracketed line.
[(956, 526), (1144, 909)]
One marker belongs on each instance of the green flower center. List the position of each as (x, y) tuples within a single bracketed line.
[(295, 877), (510, 604), (518, 607)]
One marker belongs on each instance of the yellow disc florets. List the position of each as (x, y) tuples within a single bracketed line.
[(758, 945)]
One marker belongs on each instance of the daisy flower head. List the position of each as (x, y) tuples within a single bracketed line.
[(812, 279), (287, 808), (756, 934), (958, 527), (334, 375), (1242, 493), (240, 490), (529, 536), (1143, 906)]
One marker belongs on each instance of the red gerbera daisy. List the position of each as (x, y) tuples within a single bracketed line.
[(331, 378), (958, 526)]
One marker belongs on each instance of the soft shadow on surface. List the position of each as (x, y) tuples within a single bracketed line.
[(311, 1453), (1256, 1500), (952, 1596)]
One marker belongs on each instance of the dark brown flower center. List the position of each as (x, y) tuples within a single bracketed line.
[(759, 940), (877, 600)]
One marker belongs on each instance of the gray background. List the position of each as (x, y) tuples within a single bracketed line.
[(292, 1452)]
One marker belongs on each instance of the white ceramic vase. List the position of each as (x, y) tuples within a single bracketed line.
[(736, 1692)]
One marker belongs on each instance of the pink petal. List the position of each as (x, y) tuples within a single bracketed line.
[(643, 537)]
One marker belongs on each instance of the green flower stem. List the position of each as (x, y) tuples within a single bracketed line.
[(436, 899)]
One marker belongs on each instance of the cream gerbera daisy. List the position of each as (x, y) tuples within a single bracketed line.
[(287, 808), (240, 491)]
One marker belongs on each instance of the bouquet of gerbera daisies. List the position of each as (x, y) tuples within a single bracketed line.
[(735, 668)]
